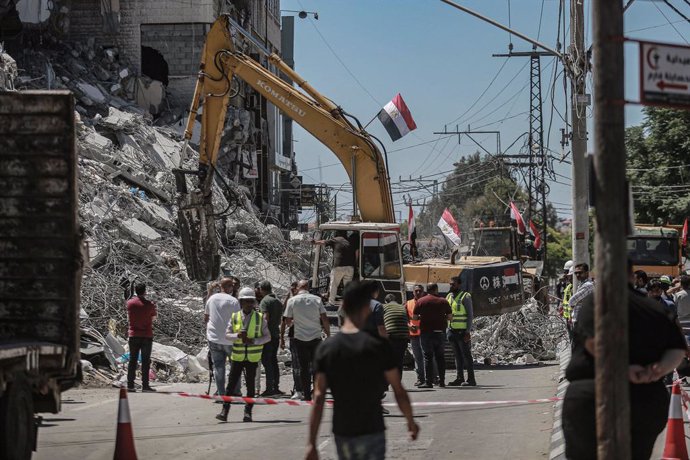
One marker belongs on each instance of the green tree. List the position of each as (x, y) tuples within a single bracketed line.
[(559, 249), (658, 154)]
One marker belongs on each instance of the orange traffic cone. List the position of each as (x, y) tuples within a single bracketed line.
[(675, 448), (124, 443)]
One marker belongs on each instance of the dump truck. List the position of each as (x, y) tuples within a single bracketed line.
[(657, 250), (40, 262)]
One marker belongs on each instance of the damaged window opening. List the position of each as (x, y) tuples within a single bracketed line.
[(154, 65)]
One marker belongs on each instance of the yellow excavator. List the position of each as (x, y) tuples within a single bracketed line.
[(373, 221)]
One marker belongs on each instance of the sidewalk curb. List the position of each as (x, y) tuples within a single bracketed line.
[(557, 439)]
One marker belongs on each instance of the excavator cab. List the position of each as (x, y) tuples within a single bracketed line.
[(379, 258)]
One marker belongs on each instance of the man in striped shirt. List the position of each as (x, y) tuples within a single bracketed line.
[(395, 320)]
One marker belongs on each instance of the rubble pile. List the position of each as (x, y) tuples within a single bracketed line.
[(127, 205), (95, 74), (523, 337)]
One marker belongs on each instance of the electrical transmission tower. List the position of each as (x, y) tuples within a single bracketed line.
[(535, 161)]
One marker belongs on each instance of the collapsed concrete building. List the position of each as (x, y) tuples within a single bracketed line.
[(157, 46)]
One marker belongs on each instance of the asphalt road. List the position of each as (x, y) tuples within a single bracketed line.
[(173, 427)]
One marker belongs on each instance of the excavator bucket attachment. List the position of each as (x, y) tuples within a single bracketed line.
[(198, 233)]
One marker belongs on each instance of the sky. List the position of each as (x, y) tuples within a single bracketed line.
[(361, 53)]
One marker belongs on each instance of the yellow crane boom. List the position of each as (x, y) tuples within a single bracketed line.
[(355, 148)]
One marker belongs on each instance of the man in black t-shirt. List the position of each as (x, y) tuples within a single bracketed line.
[(656, 347), (352, 364)]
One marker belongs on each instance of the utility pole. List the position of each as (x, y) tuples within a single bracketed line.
[(578, 107), (611, 294)]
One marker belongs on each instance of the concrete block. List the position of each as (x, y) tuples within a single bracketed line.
[(139, 231)]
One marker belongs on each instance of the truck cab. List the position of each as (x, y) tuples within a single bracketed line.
[(379, 257), (656, 250)]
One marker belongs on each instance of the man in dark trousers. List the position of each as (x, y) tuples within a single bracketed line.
[(656, 347), (433, 313), (307, 313), (272, 308), (344, 257), (459, 333), (395, 320), (248, 330), (351, 364), (140, 313)]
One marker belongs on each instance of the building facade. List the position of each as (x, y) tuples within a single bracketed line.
[(163, 39)]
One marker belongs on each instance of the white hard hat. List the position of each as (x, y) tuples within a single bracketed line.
[(246, 293), (568, 265)]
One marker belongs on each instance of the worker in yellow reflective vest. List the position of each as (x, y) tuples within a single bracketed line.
[(248, 329), (459, 333), (567, 309)]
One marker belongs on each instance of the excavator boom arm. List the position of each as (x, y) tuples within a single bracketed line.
[(354, 148)]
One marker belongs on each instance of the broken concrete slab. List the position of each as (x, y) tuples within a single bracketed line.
[(92, 92), (118, 120), (139, 231), (149, 94), (8, 72), (156, 215)]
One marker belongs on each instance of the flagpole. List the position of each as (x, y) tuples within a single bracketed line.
[(372, 120)]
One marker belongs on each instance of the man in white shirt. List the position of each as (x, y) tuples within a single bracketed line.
[(585, 289), (307, 313), (217, 313)]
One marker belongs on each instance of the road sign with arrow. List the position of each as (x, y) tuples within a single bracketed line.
[(664, 74)]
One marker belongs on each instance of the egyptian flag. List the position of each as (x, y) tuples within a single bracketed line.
[(449, 227), (517, 217), (396, 118), (411, 228), (684, 235), (535, 233)]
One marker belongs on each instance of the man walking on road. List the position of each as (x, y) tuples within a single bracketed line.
[(350, 364), (433, 312), (459, 333), (140, 313), (395, 319), (272, 309), (217, 313), (249, 331), (307, 313), (415, 343)]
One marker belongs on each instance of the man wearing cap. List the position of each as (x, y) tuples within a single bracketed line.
[(248, 330), (415, 341), (666, 285)]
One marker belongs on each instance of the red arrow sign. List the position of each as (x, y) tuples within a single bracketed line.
[(662, 85)]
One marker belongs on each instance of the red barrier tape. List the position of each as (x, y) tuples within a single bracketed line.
[(290, 402)]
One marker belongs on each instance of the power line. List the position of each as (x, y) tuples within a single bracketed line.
[(669, 22)]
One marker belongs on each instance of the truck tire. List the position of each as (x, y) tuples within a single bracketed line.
[(17, 429)]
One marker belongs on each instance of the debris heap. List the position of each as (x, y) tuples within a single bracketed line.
[(127, 204), (522, 337)]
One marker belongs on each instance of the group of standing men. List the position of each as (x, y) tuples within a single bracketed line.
[(247, 332), (433, 320)]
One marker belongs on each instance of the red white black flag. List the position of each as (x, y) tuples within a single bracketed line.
[(449, 227), (517, 217), (396, 118), (411, 228), (535, 233), (684, 236)]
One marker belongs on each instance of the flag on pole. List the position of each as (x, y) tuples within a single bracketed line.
[(411, 228), (396, 118), (517, 217), (449, 227), (412, 232), (684, 236), (535, 233)]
